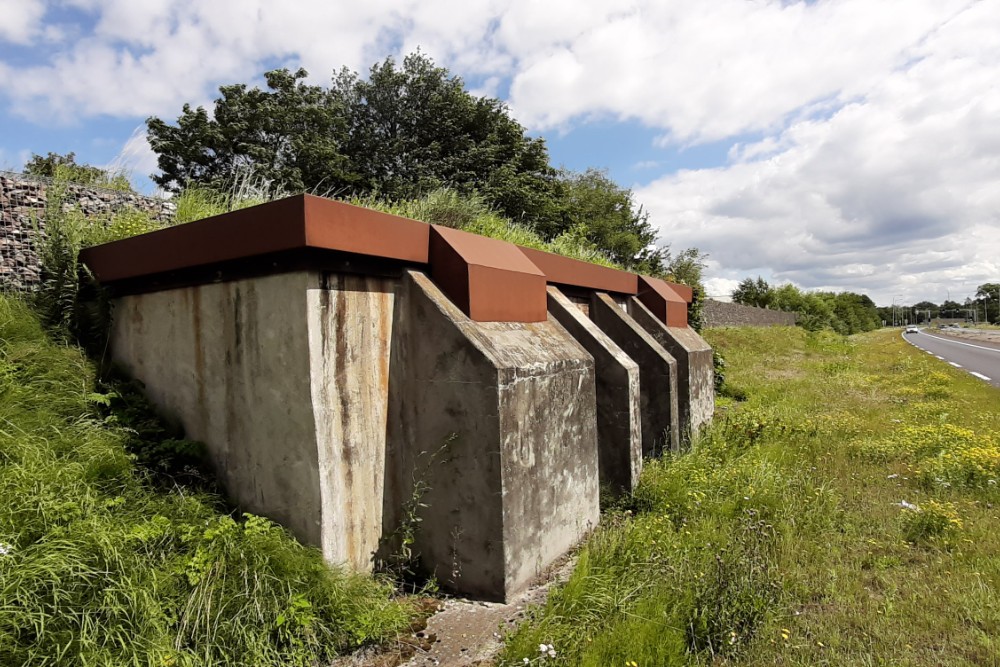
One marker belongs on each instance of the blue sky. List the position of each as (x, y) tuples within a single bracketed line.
[(845, 144)]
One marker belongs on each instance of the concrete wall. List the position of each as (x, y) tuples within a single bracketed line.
[(518, 484), (284, 377), (323, 398), (619, 431), (695, 367), (724, 314), (350, 333), (658, 381)]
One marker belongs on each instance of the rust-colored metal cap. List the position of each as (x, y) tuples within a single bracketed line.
[(576, 273), (489, 279), (665, 301), (294, 223)]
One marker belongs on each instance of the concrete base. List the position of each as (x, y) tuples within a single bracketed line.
[(619, 433), (658, 394), (518, 484), (284, 378), (695, 368)]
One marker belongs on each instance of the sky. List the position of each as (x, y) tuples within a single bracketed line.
[(834, 144)]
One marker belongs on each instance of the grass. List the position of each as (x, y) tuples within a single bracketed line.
[(844, 513), (105, 561), (448, 208)]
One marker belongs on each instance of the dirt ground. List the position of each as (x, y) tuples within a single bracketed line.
[(460, 632)]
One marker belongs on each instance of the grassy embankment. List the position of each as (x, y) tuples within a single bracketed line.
[(100, 563), (104, 561), (844, 514)]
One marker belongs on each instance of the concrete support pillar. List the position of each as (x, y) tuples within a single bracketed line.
[(619, 434), (517, 485), (284, 378), (695, 368), (660, 417)]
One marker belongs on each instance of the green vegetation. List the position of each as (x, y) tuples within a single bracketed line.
[(983, 307), (108, 556), (64, 168), (841, 515), (398, 135), (844, 312)]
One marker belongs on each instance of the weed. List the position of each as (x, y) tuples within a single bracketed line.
[(931, 523), (402, 560)]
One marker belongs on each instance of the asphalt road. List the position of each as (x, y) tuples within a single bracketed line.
[(980, 359)]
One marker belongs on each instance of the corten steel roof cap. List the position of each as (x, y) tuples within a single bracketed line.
[(664, 300), (577, 273), (489, 279), (299, 222)]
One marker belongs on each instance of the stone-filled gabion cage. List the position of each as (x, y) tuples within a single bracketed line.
[(23, 202)]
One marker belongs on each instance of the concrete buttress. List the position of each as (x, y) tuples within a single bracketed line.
[(619, 432), (284, 377), (497, 420), (658, 395), (695, 368)]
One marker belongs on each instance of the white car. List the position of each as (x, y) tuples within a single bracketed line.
[(912, 330)]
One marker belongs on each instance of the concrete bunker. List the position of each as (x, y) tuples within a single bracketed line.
[(321, 349)]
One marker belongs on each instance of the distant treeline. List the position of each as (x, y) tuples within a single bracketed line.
[(844, 312)]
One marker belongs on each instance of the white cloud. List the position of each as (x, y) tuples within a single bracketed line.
[(894, 193), (20, 20), (874, 160), (708, 70)]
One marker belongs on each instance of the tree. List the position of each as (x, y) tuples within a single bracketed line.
[(752, 292), (608, 217), (989, 295), (290, 135), (401, 133), (415, 128), (951, 309)]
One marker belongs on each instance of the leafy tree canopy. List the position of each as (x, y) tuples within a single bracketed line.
[(752, 292), (607, 216), (844, 312), (400, 133), (290, 135), (403, 132)]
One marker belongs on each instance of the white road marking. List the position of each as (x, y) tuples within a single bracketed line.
[(978, 347), (939, 357), (954, 364), (980, 376)]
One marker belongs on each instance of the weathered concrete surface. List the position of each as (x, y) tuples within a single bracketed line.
[(518, 484), (284, 378), (350, 334), (695, 368), (658, 374), (619, 433)]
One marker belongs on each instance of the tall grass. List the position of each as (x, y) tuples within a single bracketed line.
[(843, 513), (99, 564), (470, 213)]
